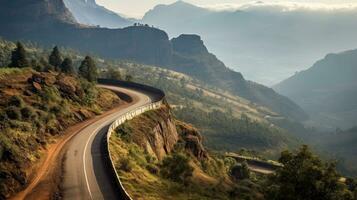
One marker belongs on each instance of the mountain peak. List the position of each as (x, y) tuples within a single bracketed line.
[(189, 44)]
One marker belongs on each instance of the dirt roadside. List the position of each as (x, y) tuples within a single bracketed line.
[(47, 174)]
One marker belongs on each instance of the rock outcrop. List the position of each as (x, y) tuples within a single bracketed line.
[(192, 140), (158, 134)]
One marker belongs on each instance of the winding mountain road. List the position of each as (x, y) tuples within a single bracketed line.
[(85, 174)]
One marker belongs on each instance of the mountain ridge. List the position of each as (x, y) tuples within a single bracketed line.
[(141, 43), (90, 13), (330, 80)]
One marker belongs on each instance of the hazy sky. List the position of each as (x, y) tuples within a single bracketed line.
[(137, 8)]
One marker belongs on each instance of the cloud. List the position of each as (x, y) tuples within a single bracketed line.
[(283, 6)]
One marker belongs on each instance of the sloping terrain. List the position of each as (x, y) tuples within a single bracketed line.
[(159, 157), (90, 13), (327, 90), (191, 99), (35, 108), (50, 22), (265, 41)]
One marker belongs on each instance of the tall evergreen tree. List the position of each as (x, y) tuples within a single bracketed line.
[(67, 66), (88, 69), (55, 59), (19, 57)]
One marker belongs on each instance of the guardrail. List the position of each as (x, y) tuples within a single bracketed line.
[(157, 100)]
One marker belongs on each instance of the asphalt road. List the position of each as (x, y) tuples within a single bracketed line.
[(85, 175)]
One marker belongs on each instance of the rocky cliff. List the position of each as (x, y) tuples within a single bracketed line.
[(158, 133)]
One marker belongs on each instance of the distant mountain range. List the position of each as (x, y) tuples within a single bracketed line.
[(328, 90), (49, 22), (266, 43), (90, 13)]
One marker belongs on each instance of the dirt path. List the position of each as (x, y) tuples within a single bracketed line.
[(47, 177)]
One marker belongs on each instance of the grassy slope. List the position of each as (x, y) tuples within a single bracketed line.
[(210, 178), (183, 92), (33, 117), (210, 109)]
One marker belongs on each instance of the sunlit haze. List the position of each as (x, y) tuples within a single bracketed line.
[(137, 8)]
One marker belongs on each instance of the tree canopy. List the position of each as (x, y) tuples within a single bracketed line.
[(305, 177), (67, 66), (19, 57), (88, 69), (55, 58)]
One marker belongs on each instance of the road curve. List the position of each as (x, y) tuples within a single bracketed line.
[(85, 174)]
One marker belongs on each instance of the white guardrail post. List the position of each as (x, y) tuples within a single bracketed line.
[(118, 122)]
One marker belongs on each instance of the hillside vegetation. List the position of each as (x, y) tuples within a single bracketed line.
[(36, 107), (191, 98), (50, 22), (158, 157)]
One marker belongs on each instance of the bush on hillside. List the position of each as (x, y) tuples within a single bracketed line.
[(28, 113), (126, 165), (177, 168), (13, 113), (16, 101), (240, 171)]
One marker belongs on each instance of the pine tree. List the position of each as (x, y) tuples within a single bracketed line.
[(19, 57), (55, 58), (88, 69), (67, 66)]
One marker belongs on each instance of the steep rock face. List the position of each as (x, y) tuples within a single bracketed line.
[(162, 139), (192, 140), (90, 13), (158, 133)]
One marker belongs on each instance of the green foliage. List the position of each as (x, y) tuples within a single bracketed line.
[(88, 69), (113, 73), (128, 78), (126, 165), (16, 101), (90, 92), (55, 59), (28, 113), (19, 57), (305, 177), (240, 171), (13, 113), (67, 66), (124, 131), (177, 168), (50, 94)]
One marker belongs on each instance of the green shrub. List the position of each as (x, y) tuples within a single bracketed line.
[(50, 94), (126, 165), (153, 169), (240, 171), (16, 101), (13, 113), (177, 168), (124, 131), (28, 113), (90, 92)]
